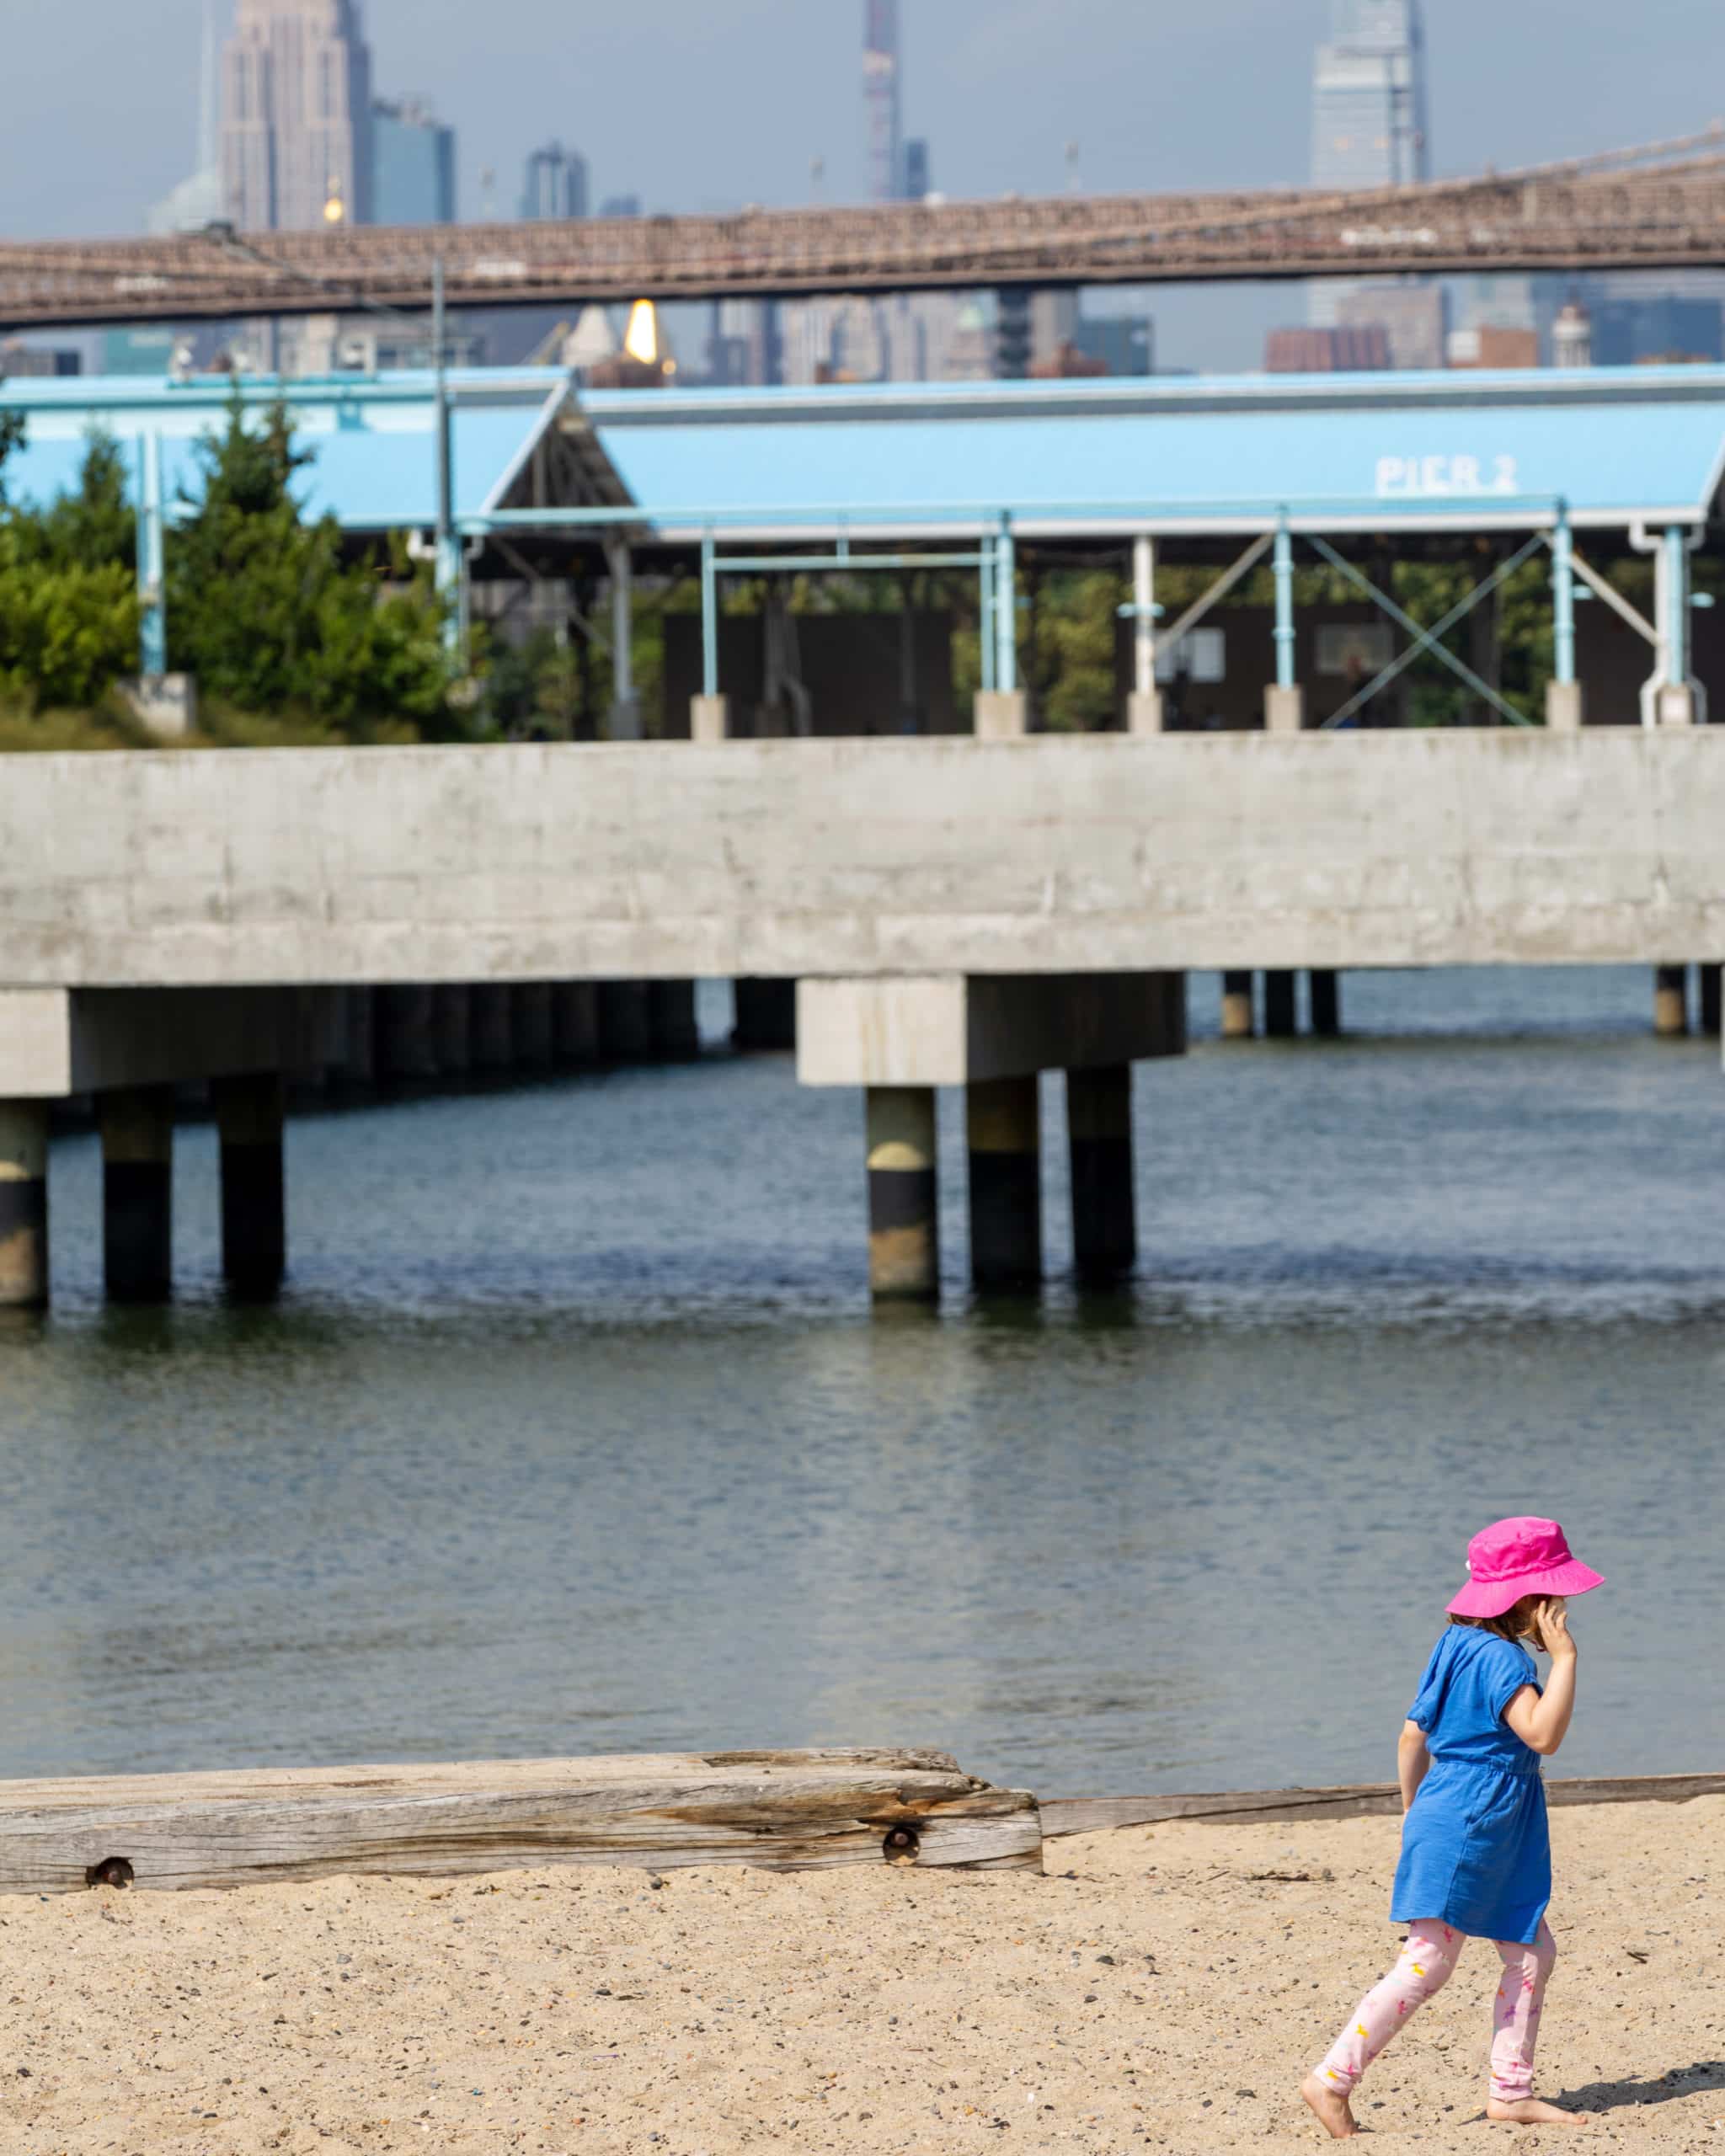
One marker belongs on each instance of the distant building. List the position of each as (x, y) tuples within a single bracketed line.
[(1490, 346), (621, 206), (880, 100), (413, 166), (1656, 326), (555, 185), (1414, 317), (1327, 351), (296, 116), (1572, 337), (1124, 344), (918, 179), (1367, 111), (18, 360), (1067, 363), (137, 351)]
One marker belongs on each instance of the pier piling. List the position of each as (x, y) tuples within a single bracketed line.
[(23, 1204), (248, 1116), (1099, 1127), (137, 1193), (1006, 1182), (904, 1198)]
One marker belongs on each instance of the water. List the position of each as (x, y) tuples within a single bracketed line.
[(575, 1433)]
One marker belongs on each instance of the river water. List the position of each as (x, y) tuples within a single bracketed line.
[(574, 1433)]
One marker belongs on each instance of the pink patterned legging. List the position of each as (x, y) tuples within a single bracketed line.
[(1427, 1964)]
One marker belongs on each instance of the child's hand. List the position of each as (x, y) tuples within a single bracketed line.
[(1551, 1621)]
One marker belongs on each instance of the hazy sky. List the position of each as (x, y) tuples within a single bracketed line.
[(708, 104)]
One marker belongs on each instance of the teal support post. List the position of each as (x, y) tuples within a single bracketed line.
[(152, 605), (1006, 610), (450, 565), (1676, 622), (1283, 566), (709, 620), (985, 631), (1563, 597)]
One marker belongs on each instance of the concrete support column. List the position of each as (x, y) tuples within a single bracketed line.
[(406, 1053), (491, 1027), (1238, 1020), (1099, 1130), (1326, 1002), (903, 1210), (530, 1027), (1671, 1000), (767, 1014), (452, 1031), (574, 1022), (625, 1021), (248, 1117), (1001, 714), (137, 1193), (1711, 983), (1284, 709), (1565, 706), (23, 1204), (1006, 1182), (1280, 1004), (709, 718), (671, 1014), (358, 1068)]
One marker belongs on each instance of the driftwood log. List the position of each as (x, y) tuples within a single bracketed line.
[(781, 1811), (1096, 1815)]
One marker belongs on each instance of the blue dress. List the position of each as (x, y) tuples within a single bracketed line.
[(1476, 1852)]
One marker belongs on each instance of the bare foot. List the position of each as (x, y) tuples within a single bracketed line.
[(1528, 2110), (1330, 2109)]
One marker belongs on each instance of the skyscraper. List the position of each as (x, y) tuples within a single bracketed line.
[(296, 116), (1369, 121), (555, 186), (1368, 110), (880, 99), (199, 200), (413, 166)]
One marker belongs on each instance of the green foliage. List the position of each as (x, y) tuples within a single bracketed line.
[(68, 602), (264, 609)]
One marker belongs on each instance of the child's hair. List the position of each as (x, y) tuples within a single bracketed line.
[(1516, 1623)]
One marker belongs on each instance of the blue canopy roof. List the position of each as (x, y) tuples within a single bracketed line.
[(373, 440), (1331, 453), (1377, 452)]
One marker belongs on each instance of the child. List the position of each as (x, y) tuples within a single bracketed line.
[(1475, 1858)]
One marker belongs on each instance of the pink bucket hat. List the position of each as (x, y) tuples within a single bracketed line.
[(1515, 1557)]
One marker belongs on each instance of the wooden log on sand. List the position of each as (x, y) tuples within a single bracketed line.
[(780, 1811), (1096, 1815)]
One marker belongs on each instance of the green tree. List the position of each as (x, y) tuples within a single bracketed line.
[(68, 599), (264, 609)]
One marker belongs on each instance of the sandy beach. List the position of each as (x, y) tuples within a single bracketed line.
[(1162, 1987)]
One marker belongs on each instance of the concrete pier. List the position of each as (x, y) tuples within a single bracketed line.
[(491, 1028), (575, 1023), (531, 1022), (709, 718), (1284, 710), (625, 1021), (1671, 1000), (1326, 1002), (452, 1033), (1710, 997), (137, 1193), (248, 1117), (904, 1204), (1281, 1005), (767, 1014), (1003, 1127), (1099, 1133), (1239, 1020), (670, 1016), (407, 1055), (23, 1204)]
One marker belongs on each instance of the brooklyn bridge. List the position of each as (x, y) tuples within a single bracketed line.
[(1659, 207)]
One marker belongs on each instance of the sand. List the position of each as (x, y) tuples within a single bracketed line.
[(1164, 1988)]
